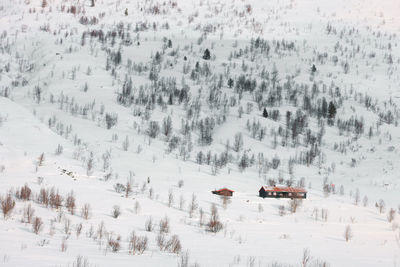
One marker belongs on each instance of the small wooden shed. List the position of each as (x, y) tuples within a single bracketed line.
[(223, 192), (282, 192)]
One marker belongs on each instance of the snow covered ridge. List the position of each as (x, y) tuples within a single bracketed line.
[(119, 118)]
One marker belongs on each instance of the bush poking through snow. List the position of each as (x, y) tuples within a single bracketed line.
[(348, 233), (114, 243), (7, 205), (164, 225), (214, 225), (149, 226), (116, 212), (137, 244), (85, 212), (37, 225)]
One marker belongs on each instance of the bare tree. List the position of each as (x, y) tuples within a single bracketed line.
[(181, 202), (137, 244), (357, 197), (149, 225), (37, 225), (294, 204), (214, 225), (348, 233), (164, 225), (306, 257), (282, 210), (381, 206), (85, 212), (170, 198), (193, 205), (70, 203), (136, 208), (116, 211), (7, 205), (391, 215), (128, 188), (365, 201), (28, 213)]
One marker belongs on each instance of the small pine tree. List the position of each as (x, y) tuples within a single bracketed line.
[(265, 113), (230, 82), (126, 12), (331, 110), (313, 69), (206, 55)]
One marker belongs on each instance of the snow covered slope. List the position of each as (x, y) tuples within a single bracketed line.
[(118, 120)]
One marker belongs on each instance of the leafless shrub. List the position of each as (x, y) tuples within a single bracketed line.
[(144, 187), (119, 188), (128, 190), (55, 199), (67, 226), (80, 261), (149, 226), (85, 211), (24, 193), (380, 205), (78, 229), (174, 245), (324, 214), (184, 259), (37, 225), (40, 160), (201, 217), (43, 197), (116, 212), (7, 205), (193, 205), (365, 201), (260, 208), (294, 204), (59, 149), (357, 197), (114, 243), (181, 202), (161, 241), (225, 201), (64, 245), (348, 233), (170, 198), (391, 215), (101, 229), (136, 208), (70, 203), (28, 214), (151, 193), (282, 210), (306, 257), (214, 225), (137, 244), (164, 225)]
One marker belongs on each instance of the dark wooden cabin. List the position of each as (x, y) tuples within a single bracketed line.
[(223, 192), (282, 192)]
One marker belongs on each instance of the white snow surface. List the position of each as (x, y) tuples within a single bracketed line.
[(254, 233)]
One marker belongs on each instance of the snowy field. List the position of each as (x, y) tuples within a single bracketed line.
[(118, 120)]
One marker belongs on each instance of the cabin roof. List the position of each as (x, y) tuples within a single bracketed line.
[(283, 189), (224, 189)]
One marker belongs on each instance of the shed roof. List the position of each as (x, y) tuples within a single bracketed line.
[(283, 189), (224, 189)]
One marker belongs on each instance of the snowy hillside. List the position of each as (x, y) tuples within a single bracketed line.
[(118, 119)]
